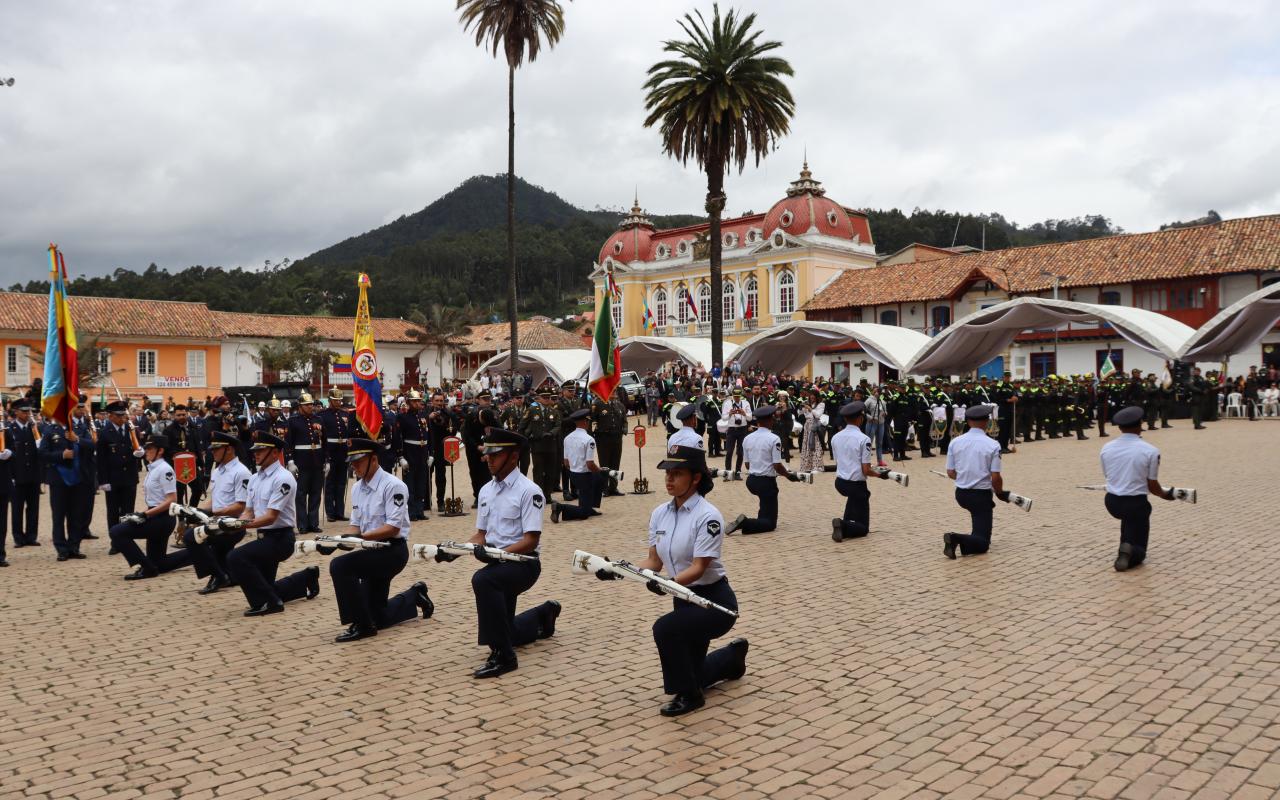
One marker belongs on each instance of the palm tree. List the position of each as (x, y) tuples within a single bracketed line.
[(440, 327), (517, 28), (722, 99)]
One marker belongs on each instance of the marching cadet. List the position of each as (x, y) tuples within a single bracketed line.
[(580, 460), (271, 510), (541, 425), (23, 440), (185, 438), (118, 463), (610, 420), (687, 436), (763, 453), (62, 453), (1131, 468), (441, 424), (228, 494), (415, 445), (737, 412), (568, 403), (509, 517), (335, 424), (852, 450), (304, 450), (685, 540), (973, 462), (362, 579), (512, 418), (154, 524)]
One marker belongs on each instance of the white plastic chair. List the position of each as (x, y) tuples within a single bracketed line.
[(1234, 407)]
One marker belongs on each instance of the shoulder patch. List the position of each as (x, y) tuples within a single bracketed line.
[(168, 475), (537, 501), (284, 488), (397, 499), (713, 528), (244, 483)]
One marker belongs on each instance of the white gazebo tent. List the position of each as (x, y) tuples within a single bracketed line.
[(559, 365), (791, 346), (981, 336), (643, 353), (1235, 328)]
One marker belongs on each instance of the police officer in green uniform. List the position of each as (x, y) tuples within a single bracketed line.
[(1199, 388), (610, 419), (512, 418), (541, 426), (568, 403)]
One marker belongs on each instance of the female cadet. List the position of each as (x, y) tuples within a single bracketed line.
[(159, 490), (685, 536)]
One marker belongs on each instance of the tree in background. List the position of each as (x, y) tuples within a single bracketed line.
[(295, 357), (89, 357), (517, 28), (721, 100), (440, 327)]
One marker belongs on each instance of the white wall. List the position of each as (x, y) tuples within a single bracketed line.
[(239, 367), (821, 366)]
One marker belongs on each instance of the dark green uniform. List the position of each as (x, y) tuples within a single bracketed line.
[(541, 426), (610, 421)]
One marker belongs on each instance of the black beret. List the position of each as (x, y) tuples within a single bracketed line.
[(1127, 416), (686, 412), (977, 412), (853, 409)]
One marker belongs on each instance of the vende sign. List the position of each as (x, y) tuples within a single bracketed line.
[(173, 382)]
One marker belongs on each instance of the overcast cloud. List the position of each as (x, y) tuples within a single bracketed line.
[(226, 133)]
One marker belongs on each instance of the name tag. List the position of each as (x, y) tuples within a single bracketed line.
[(659, 533)]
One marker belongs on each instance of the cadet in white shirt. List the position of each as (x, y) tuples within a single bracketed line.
[(852, 450), (736, 412), (973, 462), (584, 470), (1131, 467), (228, 494), (159, 490), (688, 435), (763, 454), (685, 537), (271, 509), (508, 517)]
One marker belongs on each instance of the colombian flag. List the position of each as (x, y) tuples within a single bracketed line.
[(366, 383), (342, 364), (61, 376)]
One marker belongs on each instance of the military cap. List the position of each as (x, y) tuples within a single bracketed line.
[(686, 412), (158, 440), (23, 405), (484, 394), (275, 401), (853, 409), (498, 439), (286, 404), (569, 385), (683, 457), (737, 390), (118, 407), (414, 394), (334, 394), (262, 404), (305, 399), (545, 391), (765, 411), (977, 412), (219, 439), (581, 413), (266, 439), (1126, 417), (360, 448)]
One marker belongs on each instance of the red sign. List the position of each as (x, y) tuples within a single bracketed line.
[(639, 434), (452, 449), (184, 465)]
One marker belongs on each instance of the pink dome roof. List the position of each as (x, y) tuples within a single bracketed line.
[(633, 241), (806, 208)]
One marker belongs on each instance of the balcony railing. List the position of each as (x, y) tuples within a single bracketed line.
[(781, 319)]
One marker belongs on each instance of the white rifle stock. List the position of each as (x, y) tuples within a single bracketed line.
[(435, 552), (728, 474), (897, 477), (339, 542), (1021, 501), (188, 515), (585, 563), (1185, 495)]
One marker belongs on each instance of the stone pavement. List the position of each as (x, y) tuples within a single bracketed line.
[(878, 668)]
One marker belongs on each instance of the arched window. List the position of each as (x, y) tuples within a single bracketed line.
[(682, 306), (786, 292), (730, 303), (704, 302), (753, 296), (660, 307), (615, 308), (889, 317)]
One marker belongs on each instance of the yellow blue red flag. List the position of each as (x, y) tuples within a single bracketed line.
[(61, 374), (366, 382)]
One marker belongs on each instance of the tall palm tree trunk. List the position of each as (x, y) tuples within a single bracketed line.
[(715, 208), (511, 216)]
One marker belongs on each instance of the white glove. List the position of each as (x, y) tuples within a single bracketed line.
[(106, 487), (402, 463), (293, 468), (228, 524), (430, 460), (139, 453), (5, 455)]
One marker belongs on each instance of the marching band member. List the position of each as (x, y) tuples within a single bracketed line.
[(362, 579), (305, 451), (22, 441), (508, 516), (735, 413), (685, 540), (973, 462), (688, 435), (228, 494), (416, 446), (271, 510), (852, 450), (580, 459), (118, 463), (763, 454), (1131, 467), (159, 491), (336, 425)]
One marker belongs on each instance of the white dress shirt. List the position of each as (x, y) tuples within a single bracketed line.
[(381, 500), (274, 488), (160, 482), (229, 484), (686, 437), (694, 530), (761, 450), (736, 420), (508, 509), (579, 448), (852, 449), (974, 456), (1127, 464)]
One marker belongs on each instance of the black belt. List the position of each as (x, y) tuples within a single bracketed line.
[(262, 534)]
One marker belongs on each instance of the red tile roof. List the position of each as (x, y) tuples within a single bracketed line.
[(112, 316), (334, 328), (1220, 248), (533, 336)]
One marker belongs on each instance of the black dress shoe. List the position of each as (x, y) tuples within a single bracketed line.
[(16, 545), (1124, 557), (88, 536), (550, 611), (76, 554), (33, 543), (313, 582), (739, 647), (556, 510), (264, 609), (63, 556), (140, 574), (355, 633), (215, 583), (498, 664), (683, 704), (736, 525), (111, 551), (422, 600), (949, 545), (615, 494), (3, 563), (837, 529)]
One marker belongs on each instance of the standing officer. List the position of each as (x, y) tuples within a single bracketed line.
[(920, 412), (852, 450), (441, 424), (304, 449), (23, 440), (270, 508), (688, 435), (1131, 468), (783, 422), (763, 454), (568, 403), (362, 579), (509, 517), (710, 404), (60, 454), (185, 438), (6, 488), (82, 501), (1199, 393), (416, 443), (153, 524), (1005, 396), (511, 417), (541, 426), (973, 462), (117, 464), (580, 460), (610, 418), (737, 411), (478, 421), (335, 424), (228, 494)]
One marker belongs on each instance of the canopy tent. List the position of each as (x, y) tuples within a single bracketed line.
[(981, 336), (642, 353), (791, 346), (559, 365), (1235, 328)]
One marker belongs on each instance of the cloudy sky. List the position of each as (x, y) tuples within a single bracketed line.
[(228, 133)]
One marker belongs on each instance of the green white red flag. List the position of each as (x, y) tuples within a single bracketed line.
[(606, 358)]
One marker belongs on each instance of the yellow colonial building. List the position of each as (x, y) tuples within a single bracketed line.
[(773, 263)]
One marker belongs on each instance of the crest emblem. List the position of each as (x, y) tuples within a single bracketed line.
[(168, 475), (537, 501), (185, 465), (284, 489), (671, 451), (713, 528), (397, 499)]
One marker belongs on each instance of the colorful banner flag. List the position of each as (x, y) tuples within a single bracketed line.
[(61, 373), (693, 307), (606, 358), (1108, 368), (748, 309), (365, 383), (649, 322), (342, 364)]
